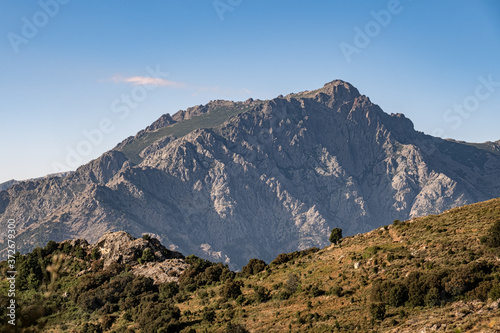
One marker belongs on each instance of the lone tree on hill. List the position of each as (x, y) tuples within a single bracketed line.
[(336, 235)]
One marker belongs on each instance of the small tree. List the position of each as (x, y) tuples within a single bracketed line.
[(95, 254), (231, 289), (493, 238), (147, 256), (254, 266), (335, 235)]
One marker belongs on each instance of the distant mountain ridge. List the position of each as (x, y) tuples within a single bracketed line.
[(9, 183), (230, 181)]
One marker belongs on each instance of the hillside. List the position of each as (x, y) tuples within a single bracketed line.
[(230, 181), (435, 273)]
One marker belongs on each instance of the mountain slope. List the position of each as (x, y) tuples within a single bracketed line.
[(234, 180), (435, 273)]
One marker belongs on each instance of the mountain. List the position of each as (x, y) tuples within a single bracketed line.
[(434, 273), (230, 181), (5, 185)]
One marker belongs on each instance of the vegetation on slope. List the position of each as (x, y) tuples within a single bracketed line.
[(211, 119), (439, 271)]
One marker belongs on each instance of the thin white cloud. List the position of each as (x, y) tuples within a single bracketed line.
[(146, 80)]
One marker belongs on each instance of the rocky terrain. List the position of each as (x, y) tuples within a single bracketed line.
[(230, 181), (122, 248), (9, 183), (439, 273)]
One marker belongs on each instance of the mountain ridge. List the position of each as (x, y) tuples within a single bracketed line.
[(229, 181)]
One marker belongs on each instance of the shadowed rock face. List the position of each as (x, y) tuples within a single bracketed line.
[(272, 176)]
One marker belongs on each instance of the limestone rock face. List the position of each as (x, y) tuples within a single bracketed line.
[(162, 272), (231, 181), (122, 248)]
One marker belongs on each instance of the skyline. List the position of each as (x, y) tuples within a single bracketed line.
[(71, 70)]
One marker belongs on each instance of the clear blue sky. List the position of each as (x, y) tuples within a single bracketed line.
[(65, 69)]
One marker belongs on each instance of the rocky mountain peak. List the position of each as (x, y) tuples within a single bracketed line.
[(340, 87), (230, 181)]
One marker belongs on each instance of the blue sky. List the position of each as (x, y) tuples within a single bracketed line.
[(68, 67)]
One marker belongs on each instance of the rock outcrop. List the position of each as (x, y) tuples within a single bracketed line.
[(122, 248)]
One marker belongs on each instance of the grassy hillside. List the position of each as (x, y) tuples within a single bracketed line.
[(437, 272), (215, 117)]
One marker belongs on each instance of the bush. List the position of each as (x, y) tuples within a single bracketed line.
[(202, 272), (140, 285), (254, 266), (235, 328), (292, 284), (493, 236), (316, 291), (90, 328), (337, 291), (30, 271), (79, 252), (50, 248), (261, 294), (377, 311), (209, 315), (398, 295), (286, 257), (95, 254), (494, 293), (231, 289), (147, 256), (432, 298), (169, 290), (153, 316), (335, 235)]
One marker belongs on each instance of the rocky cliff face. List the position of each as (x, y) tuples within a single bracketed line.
[(122, 248), (230, 181)]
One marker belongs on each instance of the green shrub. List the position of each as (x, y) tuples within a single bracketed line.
[(335, 235), (316, 291), (495, 291), (235, 328), (398, 295), (292, 284), (432, 298), (95, 254), (337, 291), (493, 236), (79, 252), (209, 315), (169, 290), (286, 257), (261, 294), (231, 289), (254, 266), (377, 310), (50, 248), (147, 256)]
